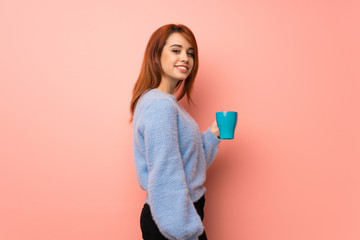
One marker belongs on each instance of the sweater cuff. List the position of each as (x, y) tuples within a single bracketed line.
[(211, 138)]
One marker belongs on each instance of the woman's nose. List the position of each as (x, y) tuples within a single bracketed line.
[(184, 57)]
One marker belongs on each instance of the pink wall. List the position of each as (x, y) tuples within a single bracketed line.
[(290, 68)]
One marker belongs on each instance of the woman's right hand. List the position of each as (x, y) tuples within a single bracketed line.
[(215, 129)]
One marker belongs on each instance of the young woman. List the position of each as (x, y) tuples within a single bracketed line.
[(171, 154)]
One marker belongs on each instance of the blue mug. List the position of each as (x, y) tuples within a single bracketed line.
[(226, 121)]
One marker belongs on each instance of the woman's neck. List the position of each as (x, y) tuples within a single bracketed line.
[(167, 86)]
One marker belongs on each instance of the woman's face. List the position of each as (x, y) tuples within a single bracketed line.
[(177, 58)]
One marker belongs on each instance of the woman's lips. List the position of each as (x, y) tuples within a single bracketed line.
[(182, 68)]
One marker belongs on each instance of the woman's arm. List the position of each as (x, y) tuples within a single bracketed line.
[(211, 141), (168, 194)]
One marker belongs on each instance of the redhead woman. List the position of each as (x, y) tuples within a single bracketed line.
[(171, 154)]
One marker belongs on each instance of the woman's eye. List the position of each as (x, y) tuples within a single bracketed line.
[(191, 54), (176, 51)]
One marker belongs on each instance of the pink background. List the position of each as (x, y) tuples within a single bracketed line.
[(290, 68)]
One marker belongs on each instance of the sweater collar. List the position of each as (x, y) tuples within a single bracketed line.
[(172, 96)]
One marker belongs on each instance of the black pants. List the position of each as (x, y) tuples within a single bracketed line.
[(151, 232)]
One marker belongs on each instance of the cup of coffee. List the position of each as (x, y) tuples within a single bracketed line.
[(226, 121)]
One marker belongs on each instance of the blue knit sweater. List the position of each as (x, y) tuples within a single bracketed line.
[(171, 158)]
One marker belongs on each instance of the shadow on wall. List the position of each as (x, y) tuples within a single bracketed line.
[(228, 163)]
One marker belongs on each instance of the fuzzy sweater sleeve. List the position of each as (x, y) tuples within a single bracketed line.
[(168, 194), (211, 143)]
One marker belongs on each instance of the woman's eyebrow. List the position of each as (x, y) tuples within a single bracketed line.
[(176, 45), (180, 46)]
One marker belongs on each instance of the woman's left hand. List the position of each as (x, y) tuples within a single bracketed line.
[(215, 129)]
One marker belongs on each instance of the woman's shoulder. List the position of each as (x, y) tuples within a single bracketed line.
[(155, 101), (156, 97)]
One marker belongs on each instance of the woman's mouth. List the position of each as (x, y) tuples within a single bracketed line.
[(182, 68)]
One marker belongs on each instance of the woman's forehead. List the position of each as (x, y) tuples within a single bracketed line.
[(178, 39)]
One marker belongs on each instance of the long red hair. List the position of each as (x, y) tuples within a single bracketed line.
[(151, 70)]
